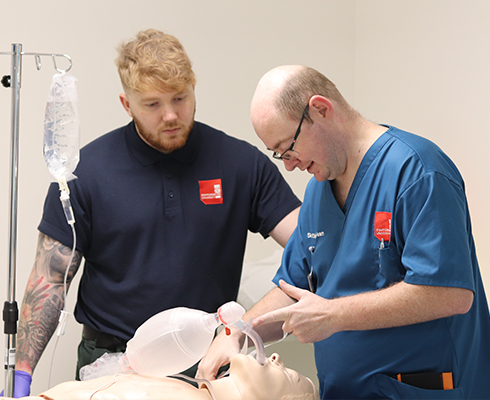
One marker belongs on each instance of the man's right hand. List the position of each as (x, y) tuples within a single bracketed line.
[(22, 384), (220, 353)]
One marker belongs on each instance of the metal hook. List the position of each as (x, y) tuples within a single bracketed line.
[(37, 58), (61, 71)]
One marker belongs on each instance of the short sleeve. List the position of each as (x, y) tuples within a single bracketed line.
[(273, 199), (433, 232)]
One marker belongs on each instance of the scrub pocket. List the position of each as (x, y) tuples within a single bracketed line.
[(389, 266), (393, 389)]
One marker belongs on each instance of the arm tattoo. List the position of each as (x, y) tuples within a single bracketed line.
[(43, 299)]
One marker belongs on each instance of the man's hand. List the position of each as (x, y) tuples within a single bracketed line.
[(22, 384), (308, 319), (219, 354)]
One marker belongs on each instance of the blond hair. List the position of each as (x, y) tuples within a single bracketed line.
[(154, 61)]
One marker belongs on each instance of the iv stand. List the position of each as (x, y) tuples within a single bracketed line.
[(10, 310)]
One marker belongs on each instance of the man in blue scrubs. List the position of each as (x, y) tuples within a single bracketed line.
[(162, 205), (381, 273)]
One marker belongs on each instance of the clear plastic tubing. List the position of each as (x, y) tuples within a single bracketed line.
[(231, 314)]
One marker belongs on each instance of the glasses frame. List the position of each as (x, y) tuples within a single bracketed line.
[(283, 155)]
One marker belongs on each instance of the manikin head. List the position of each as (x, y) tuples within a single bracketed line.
[(158, 82), (248, 380), (252, 381)]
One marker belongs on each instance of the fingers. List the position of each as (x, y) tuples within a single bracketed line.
[(292, 291), (278, 315), (206, 372)]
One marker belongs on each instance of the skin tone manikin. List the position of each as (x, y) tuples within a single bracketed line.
[(248, 380)]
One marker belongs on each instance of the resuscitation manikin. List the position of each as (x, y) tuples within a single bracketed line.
[(172, 341)]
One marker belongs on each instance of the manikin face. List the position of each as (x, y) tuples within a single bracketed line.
[(262, 382), (163, 119)]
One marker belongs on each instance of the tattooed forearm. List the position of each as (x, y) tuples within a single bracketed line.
[(43, 300), (40, 313)]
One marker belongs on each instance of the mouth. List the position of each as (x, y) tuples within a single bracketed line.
[(171, 131), (309, 166)]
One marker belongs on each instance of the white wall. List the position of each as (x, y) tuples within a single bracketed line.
[(231, 45), (421, 65)]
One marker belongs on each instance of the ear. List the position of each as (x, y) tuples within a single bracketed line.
[(125, 103), (322, 106)]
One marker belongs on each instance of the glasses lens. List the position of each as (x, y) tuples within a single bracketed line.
[(290, 155)]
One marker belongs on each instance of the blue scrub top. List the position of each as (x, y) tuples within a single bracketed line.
[(405, 218)]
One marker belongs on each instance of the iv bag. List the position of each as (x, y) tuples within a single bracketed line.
[(62, 128)]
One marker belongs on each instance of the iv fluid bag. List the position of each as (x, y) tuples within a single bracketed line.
[(171, 341), (62, 128)]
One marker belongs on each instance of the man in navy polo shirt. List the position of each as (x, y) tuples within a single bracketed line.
[(381, 273), (162, 207)]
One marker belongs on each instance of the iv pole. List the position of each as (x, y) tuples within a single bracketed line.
[(10, 309)]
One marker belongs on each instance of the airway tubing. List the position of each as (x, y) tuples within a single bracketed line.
[(259, 344)]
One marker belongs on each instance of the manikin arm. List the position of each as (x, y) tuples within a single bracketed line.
[(43, 300), (283, 230), (224, 347), (313, 318)]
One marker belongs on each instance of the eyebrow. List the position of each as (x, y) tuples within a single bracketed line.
[(154, 98), (276, 145)]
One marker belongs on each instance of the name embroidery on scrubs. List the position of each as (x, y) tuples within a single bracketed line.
[(211, 191), (382, 225), (311, 235)]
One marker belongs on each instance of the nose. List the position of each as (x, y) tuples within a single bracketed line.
[(277, 359), (290, 165), (169, 114)]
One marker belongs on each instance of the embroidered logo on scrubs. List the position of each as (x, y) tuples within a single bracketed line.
[(382, 225), (211, 192)]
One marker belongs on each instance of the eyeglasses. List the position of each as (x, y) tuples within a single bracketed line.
[(288, 154)]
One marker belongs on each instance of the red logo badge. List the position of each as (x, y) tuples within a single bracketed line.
[(382, 225), (211, 192)]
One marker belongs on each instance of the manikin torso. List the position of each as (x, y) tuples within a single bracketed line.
[(247, 380)]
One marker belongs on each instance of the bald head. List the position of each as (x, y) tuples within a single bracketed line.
[(270, 89), (286, 90)]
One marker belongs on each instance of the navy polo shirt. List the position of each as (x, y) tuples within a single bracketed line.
[(159, 231)]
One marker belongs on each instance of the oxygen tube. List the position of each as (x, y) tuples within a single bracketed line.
[(230, 315)]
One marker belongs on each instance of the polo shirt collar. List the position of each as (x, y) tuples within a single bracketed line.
[(147, 155)]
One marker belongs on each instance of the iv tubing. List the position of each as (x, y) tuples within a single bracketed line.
[(70, 219)]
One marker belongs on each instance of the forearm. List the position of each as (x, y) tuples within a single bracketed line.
[(398, 305), (313, 318), (273, 300), (38, 319), (43, 300)]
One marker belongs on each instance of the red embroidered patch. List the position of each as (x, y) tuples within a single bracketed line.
[(382, 225), (211, 191)]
